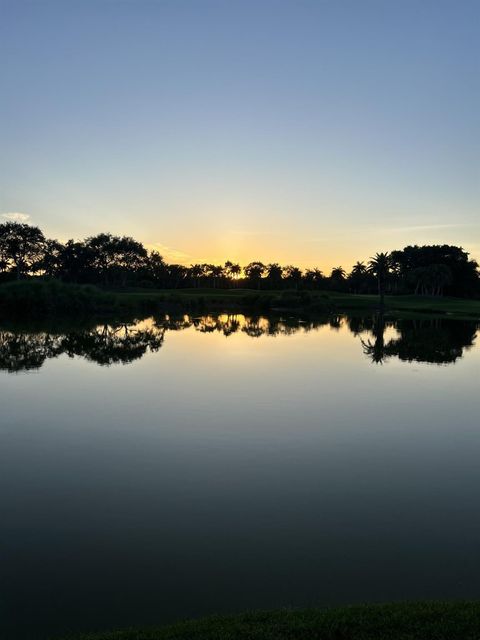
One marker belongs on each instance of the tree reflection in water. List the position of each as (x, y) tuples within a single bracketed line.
[(439, 341), (26, 352), (432, 340), (105, 345)]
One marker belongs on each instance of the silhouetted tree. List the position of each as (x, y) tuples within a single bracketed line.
[(177, 274), (274, 275), (431, 280), (51, 262), (314, 278), (115, 257), (156, 269), (379, 266), (293, 275), (462, 281), (77, 264), (216, 273), (121, 260), (22, 247), (232, 270), (196, 272), (358, 278), (254, 272), (337, 278)]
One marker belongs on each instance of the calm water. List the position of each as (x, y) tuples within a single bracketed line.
[(180, 467)]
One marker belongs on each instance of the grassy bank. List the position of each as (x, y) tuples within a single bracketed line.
[(403, 621), (43, 299), (34, 298), (309, 301)]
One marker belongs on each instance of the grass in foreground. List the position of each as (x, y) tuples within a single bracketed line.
[(401, 621)]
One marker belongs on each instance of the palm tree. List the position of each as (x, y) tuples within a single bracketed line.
[(379, 266), (274, 274), (232, 270), (254, 271), (293, 274), (196, 272), (338, 273), (216, 272), (313, 278), (337, 278), (357, 276)]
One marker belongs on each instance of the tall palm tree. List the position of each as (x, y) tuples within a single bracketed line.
[(232, 270), (196, 272), (274, 274), (216, 273), (254, 272), (359, 268), (379, 266), (293, 274), (358, 276), (337, 278), (314, 278), (338, 273)]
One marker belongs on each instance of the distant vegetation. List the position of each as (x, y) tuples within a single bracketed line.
[(111, 261)]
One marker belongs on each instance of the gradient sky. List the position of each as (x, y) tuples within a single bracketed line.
[(304, 131)]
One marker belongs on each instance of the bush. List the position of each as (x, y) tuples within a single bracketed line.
[(41, 297)]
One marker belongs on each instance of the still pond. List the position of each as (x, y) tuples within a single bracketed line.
[(180, 466)]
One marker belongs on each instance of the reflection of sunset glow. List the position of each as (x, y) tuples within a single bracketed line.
[(379, 339)]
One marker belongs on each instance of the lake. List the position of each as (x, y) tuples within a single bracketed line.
[(177, 467)]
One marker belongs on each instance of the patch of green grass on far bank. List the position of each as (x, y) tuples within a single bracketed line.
[(400, 621), (410, 303), (312, 300), (37, 298)]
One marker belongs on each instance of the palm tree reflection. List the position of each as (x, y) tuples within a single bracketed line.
[(433, 340)]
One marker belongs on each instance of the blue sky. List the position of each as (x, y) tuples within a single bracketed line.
[(312, 132)]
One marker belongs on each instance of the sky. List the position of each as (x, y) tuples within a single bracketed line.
[(313, 132)]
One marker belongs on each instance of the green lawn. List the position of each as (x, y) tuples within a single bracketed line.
[(458, 307), (39, 298), (403, 621), (415, 304)]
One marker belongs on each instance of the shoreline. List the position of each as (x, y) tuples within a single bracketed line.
[(425, 620), (33, 299)]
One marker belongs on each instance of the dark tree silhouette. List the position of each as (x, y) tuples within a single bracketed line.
[(232, 270), (254, 272), (22, 248), (379, 266), (115, 257), (358, 278), (293, 276), (119, 261), (431, 280), (274, 275)]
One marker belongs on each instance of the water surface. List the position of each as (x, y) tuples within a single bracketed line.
[(179, 467)]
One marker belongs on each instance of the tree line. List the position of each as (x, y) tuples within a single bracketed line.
[(120, 261)]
